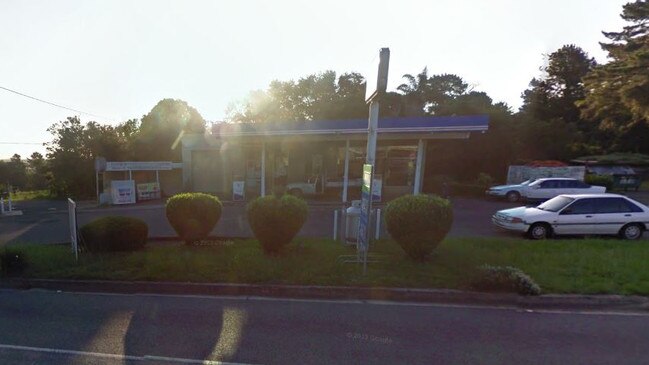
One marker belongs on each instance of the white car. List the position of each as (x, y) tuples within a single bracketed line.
[(511, 192), (588, 214), (548, 188)]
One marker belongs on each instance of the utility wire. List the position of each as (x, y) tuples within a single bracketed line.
[(53, 104), (21, 143)]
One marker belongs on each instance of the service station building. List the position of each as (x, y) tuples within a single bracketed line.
[(319, 160)]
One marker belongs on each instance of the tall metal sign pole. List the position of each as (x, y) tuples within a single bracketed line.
[(376, 85)]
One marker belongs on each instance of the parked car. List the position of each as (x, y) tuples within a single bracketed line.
[(512, 193), (312, 186), (548, 188), (596, 214)]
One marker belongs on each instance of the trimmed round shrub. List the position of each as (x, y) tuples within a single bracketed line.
[(275, 221), (193, 215), (109, 234), (504, 279), (418, 223)]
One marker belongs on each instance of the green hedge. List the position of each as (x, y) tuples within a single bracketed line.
[(418, 223), (193, 215), (600, 180), (275, 221), (114, 233)]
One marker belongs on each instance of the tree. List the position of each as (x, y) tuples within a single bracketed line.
[(424, 95), (160, 131), (37, 171), (550, 122), (314, 97), (556, 95), (618, 92), (14, 172), (75, 147), (71, 160)]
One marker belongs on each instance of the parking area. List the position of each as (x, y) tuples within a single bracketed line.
[(46, 222)]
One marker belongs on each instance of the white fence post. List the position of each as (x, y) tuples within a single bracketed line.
[(72, 217)]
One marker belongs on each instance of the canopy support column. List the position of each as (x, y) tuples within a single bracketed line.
[(419, 166), (346, 173)]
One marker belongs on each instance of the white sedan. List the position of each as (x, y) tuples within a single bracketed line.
[(586, 214), (548, 188)]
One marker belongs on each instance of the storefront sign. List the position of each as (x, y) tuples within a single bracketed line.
[(377, 185), (122, 191), (139, 166), (238, 189), (148, 191)]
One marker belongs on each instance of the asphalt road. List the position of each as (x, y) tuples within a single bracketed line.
[(42, 327), (46, 222)]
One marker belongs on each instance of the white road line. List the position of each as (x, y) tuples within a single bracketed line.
[(116, 356), (373, 302)]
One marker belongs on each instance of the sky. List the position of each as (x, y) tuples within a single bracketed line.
[(117, 59)]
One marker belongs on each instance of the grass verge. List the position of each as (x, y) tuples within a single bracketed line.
[(31, 195), (586, 266)]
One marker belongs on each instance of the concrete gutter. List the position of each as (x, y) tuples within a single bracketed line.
[(441, 296)]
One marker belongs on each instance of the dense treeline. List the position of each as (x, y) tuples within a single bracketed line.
[(575, 107)]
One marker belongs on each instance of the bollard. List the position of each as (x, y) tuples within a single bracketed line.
[(2, 206), (377, 232), (335, 224)]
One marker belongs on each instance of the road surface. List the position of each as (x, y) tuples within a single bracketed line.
[(44, 327), (46, 222)]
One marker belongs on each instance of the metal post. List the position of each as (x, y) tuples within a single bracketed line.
[(10, 205), (157, 177), (372, 127), (2, 206), (346, 173), (418, 167), (263, 169), (335, 224), (130, 175), (97, 185), (377, 232)]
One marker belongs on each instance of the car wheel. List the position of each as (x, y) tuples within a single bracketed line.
[(513, 196), (631, 231), (296, 192), (539, 231)]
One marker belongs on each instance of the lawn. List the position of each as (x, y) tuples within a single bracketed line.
[(31, 195), (559, 266)]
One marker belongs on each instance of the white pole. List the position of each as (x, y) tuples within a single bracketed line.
[(372, 127), (377, 233), (97, 185), (418, 167), (263, 169), (346, 173)]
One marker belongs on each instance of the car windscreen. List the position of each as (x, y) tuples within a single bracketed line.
[(555, 204)]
